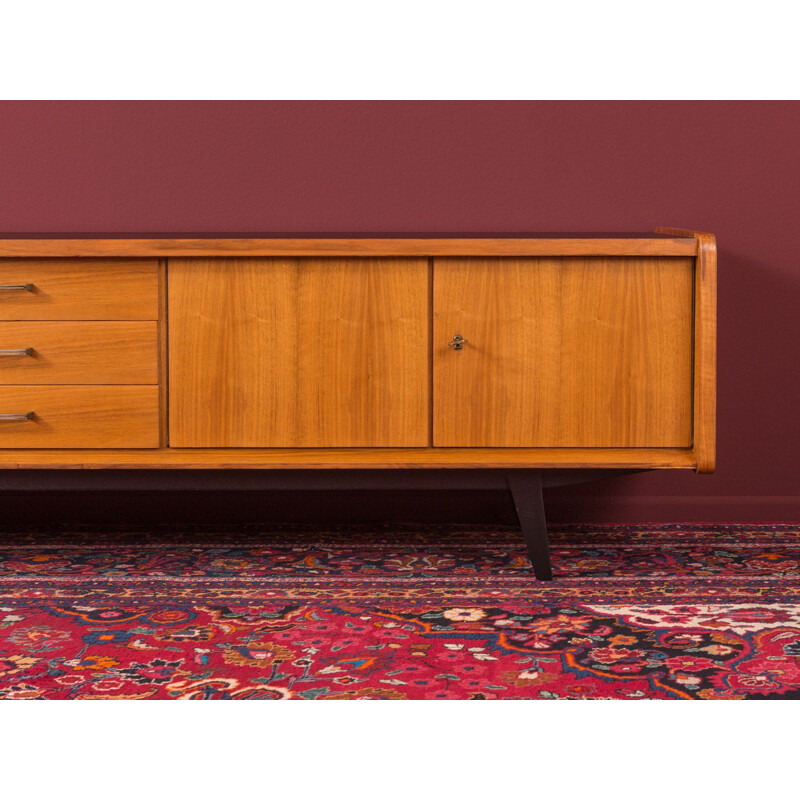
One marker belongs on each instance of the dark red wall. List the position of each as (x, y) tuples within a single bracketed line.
[(729, 168)]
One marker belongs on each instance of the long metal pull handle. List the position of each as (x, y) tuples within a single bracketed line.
[(27, 351), (16, 287), (16, 417)]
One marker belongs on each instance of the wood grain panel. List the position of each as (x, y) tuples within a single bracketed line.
[(80, 416), (79, 352), (705, 349), (343, 247), (366, 458), (563, 352), (298, 352), (74, 289)]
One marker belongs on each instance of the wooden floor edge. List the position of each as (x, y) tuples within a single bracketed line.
[(487, 458)]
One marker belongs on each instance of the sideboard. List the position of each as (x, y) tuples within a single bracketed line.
[(531, 354)]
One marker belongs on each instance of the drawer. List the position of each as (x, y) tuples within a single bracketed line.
[(78, 352), (79, 416), (88, 288)]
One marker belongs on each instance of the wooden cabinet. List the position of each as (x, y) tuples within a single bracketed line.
[(573, 351), (525, 354)]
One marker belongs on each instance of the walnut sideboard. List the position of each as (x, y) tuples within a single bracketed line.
[(537, 355)]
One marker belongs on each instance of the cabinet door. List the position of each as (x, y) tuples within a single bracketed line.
[(268, 352), (563, 352)]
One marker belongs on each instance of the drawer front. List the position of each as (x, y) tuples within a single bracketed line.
[(78, 289), (78, 352), (79, 416)]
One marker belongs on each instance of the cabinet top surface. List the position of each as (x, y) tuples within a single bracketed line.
[(145, 235), (154, 245)]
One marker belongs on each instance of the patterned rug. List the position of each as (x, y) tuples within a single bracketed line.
[(691, 611)]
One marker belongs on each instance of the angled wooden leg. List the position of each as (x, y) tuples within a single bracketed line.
[(525, 486)]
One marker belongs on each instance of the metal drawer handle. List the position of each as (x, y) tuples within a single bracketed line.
[(16, 287), (458, 342), (16, 417), (28, 351)]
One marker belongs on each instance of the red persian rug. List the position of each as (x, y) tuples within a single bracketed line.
[(689, 611)]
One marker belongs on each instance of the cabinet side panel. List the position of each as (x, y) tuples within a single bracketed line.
[(705, 355), (705, 347)]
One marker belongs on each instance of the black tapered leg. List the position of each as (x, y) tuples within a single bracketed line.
[(525, 486)]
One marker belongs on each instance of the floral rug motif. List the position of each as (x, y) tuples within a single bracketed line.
[(676, 611)]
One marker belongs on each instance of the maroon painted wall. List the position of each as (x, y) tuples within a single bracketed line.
[(729, 168)]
